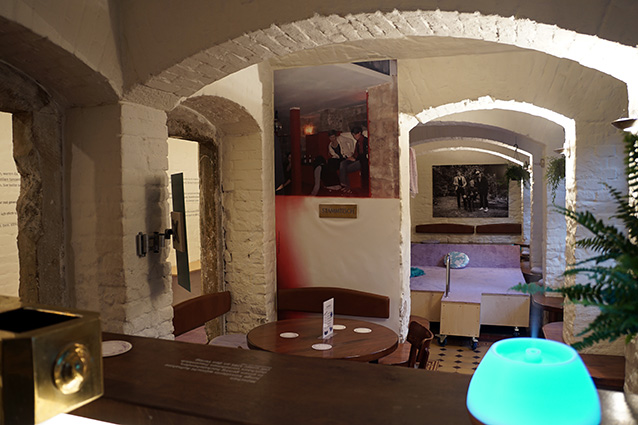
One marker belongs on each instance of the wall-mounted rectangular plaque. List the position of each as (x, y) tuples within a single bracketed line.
[(338, 210)]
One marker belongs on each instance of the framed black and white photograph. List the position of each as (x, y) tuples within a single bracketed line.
[(470, 191)]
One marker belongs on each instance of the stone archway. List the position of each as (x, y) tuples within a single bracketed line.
[(537, 211), (214, 122), (355, 37), (379, 35), (37, 130)]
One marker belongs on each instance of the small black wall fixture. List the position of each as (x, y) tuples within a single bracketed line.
[(145, 243)]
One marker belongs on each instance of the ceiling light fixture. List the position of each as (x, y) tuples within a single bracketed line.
[(625, 124)]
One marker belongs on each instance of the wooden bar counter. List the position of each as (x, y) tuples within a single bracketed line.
[(168, 382)]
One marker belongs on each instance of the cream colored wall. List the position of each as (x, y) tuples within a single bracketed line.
[(9, 191), (87, 29), (183, 158), (356, 253)]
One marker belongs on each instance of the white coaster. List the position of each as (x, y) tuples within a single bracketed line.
[(339, 327), (321, 347), (363, 330), (289, 334), (115, 347)]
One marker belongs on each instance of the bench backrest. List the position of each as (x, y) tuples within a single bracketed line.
[(193, 313), (481, 255), (347, 302)]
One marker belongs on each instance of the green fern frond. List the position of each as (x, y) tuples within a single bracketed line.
[(613, 272)]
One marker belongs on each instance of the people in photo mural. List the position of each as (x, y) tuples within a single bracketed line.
[(459, 183), (358, 161), (471, 191), (347, 153), (483, 188), (326, 172)]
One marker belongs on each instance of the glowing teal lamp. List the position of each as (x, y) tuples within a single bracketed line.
[(532, 381)]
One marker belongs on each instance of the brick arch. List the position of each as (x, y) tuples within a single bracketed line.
[(551, 249), (361, 36), (216, 122), (501, 141), (186, 123)]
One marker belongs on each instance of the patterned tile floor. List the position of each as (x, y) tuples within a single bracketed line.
[(457, 356)]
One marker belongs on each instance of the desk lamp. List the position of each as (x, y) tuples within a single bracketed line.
[(532, 381)]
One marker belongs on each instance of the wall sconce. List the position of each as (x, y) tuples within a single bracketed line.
[(308, 129), (532, 381), (626, 124)]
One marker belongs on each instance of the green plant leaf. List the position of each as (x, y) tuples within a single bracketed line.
[(612, 273)]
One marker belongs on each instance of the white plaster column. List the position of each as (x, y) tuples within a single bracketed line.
[(406, 123), (554, 259), (537, 215), (527, 212), (596, 157), (116, 167)]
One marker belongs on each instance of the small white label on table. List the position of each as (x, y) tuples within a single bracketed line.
[(328, 318), (363, 330)]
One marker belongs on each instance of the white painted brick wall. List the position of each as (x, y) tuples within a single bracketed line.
[(234, 54), (132, 294), (598, 147), (554, 258), (148, 279)]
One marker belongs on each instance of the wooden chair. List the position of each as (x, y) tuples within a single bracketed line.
[(347, 302), (195, 312), (416, 348)]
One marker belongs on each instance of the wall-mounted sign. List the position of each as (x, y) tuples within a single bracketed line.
[(338, 211)]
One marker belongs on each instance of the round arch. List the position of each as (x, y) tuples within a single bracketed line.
[(379, 35), (505, 143), (219, 125)]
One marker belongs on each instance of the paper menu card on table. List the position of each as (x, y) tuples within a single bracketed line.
[(328, 318)]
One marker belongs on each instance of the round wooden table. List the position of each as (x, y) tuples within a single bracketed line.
[(360, 340)]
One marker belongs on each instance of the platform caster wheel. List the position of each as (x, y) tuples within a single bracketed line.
[(474, 345), (443, 341), (516, 332)]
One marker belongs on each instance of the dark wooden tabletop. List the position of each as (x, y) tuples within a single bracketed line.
[(554, 304), (346, 344), (168, 382)]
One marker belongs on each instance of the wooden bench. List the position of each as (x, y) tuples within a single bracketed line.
[(347, 302), (500, 229), (608, 372), (455, 228), (445, 228)]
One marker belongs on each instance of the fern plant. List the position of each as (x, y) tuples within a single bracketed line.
[(555, 173), (613, 270), (518, 173)]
